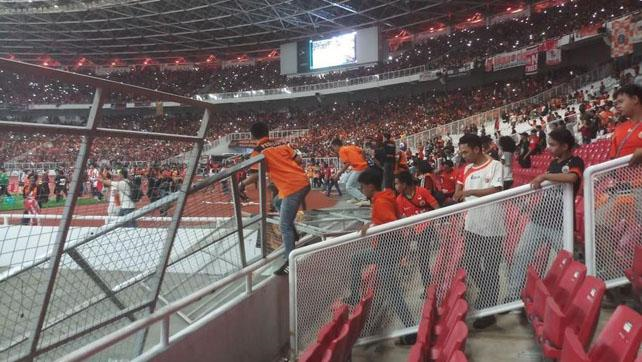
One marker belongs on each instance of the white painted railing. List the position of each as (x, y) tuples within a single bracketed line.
[(612, 218), (433, 245)]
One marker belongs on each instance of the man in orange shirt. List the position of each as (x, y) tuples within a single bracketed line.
[(627, 138), (385, 254), (284, 167), (351, 156)]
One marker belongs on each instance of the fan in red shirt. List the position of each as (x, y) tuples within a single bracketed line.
[(414, 200), (386, 253), (627, 138), (448, 179)]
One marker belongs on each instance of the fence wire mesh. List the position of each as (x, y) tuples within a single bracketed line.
[(495, 243), (107, 273), (617, 219)]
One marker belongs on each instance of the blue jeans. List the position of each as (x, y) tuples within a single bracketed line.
[(329, 186), (532, 239), (289, 207), (352, 186)]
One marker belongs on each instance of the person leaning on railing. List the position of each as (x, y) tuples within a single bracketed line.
[(545, 228), (385, 254)]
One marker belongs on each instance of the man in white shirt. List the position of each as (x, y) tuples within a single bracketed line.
[(123, 186), (484, 229)]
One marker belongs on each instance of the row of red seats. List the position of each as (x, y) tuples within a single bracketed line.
[(618, 341), (442, 331), (335, 339), (565, 298), (564, 309), (591, 154)]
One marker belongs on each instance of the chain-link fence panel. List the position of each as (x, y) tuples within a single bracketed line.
[(494, 241), (30, 215), (613, 195)]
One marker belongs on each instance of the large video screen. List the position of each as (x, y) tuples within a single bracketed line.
[(333, 52)]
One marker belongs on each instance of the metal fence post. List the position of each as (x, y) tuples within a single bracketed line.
[(568, 197), (589, 221), (239, 218), (65, 222), (262, 206), (157, 279)]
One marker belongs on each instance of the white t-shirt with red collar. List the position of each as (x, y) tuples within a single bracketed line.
[(486, 220)]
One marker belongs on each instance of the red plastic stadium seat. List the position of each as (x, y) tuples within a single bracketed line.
[(456, 291), (618, 342), (429, 310), (458, 356), (337, 350), (634, 274), (314, 353), (455, 315), (358, 318), (424, 334), (562, 293), (331, 330), (455, 342), (561, 262), (460, 275), (418, 353), (580, 316)]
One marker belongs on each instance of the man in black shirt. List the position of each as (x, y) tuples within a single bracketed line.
[(61, 185), (542, 138), (524, 151), (545, 228)]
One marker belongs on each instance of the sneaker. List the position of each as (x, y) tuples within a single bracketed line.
[(283, 270), (484, 322), (353, 201), (363, 203)]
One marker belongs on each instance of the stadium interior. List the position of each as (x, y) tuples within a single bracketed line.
[(401, 180)]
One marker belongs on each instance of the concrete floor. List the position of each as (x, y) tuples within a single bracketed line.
[(509, 340)]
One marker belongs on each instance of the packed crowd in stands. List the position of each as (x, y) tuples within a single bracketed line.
[(461, 46), (399, 116)]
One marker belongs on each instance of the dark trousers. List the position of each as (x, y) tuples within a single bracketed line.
[(131, 223), (482, 257), (330, 183), (427, 242), (387, 280)]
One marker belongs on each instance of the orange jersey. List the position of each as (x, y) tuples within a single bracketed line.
[(402, 162), (626, 139), (384, 207), (384, 210), (353, 156), (285, 172)]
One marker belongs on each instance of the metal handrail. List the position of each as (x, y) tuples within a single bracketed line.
[(580, 81), (589, 206), (164, 314), (318, 86)]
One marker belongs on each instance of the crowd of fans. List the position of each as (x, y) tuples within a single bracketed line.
[(399, 116), (473, 44)]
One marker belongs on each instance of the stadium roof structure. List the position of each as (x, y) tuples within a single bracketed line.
[(166, 29)]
